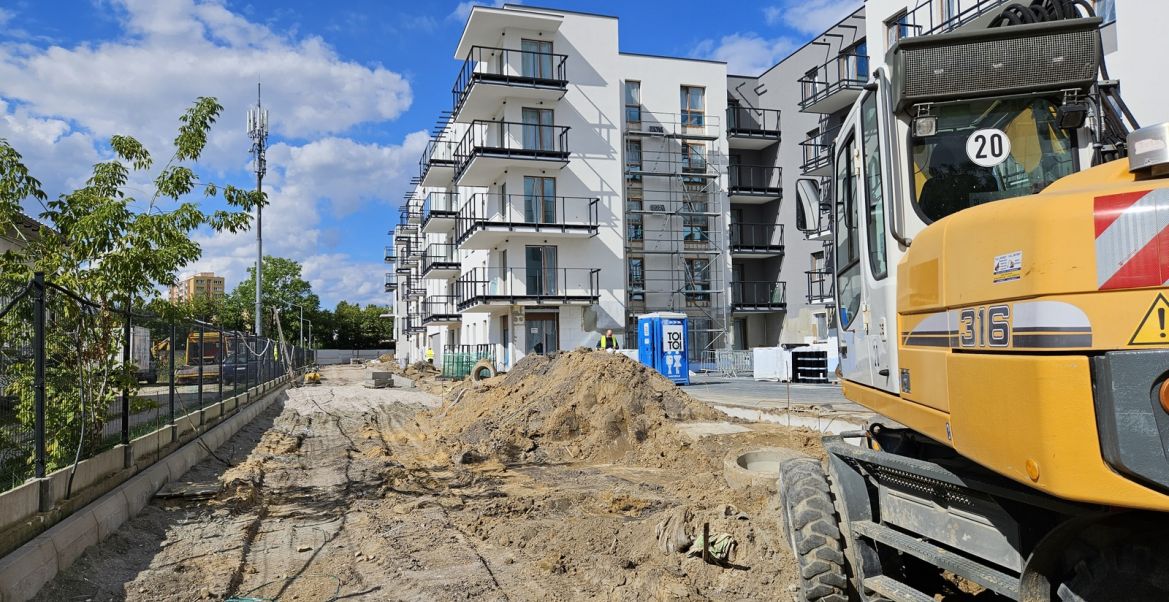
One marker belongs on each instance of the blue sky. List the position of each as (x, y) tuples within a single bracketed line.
[(352, 86)]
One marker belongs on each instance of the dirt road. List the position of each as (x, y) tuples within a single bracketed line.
[(342, 492)]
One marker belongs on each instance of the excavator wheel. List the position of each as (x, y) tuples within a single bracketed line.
[(1126, 564), (812, 528), (482, 370)]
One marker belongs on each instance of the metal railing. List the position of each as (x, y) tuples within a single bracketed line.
[(438, 151), (843, 72), (527, 212), (750, 122), (820, 286), (934, 16), (410, 214), (688, 125), (439, 204), (750, 293), (439, 255), (80, 377), (761, 237), (391, 281), (509, 67), (817, 150), (754, 179), (726, 362), (439, 308), (457, 360), (510, 285), (513, 140), (390, 256)]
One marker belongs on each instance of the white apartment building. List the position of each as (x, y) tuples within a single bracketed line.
[(529, 206)]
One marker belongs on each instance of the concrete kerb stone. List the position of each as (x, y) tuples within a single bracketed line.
[(27, 569), (142, 447), (19, 504)]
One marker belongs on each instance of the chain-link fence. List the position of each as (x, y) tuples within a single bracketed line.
[(78, 378)]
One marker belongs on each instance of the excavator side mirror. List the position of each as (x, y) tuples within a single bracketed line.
[(808, 205)]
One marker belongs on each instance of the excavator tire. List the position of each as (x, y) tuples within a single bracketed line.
[(813, 530), (1127, 564), (482, 370)]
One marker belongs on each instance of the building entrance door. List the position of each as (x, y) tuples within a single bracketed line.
[(543, 333)]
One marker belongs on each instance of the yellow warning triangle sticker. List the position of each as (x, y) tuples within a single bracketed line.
[(1154, 328)]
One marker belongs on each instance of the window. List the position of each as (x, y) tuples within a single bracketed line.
[(847, 257), (539, 200), (633, 102), (698, 278), (538, 131), (896, 28), (874, 194), (947, 181), (854, 63), (633, 221), (693, 106), (537, 59), (633, 160), (694, 228), (693, 158), (540, 270), (636, 279)]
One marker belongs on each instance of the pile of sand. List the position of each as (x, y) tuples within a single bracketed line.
[(579, 406)]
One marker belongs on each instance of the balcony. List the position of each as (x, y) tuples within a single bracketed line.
[(390, 256), (413, 325), (391, 282), (834, 85), (756, 240), (439, 211), (490, 147), (410, 214), (820, 289), (440, 309), (758, 296), (751, 128), (439, 262), (488, 289), (690, 125), (942, 16), (412, 288), (753, 184), (492, 75), (437, 165), (817, 153), (485, 220)]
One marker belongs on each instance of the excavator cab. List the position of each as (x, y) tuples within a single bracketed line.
[(999, 269)]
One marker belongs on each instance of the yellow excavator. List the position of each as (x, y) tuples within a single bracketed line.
[(1001, 253)]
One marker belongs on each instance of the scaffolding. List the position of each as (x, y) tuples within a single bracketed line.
[(676, 224)]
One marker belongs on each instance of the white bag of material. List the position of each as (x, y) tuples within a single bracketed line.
[(771, 364)]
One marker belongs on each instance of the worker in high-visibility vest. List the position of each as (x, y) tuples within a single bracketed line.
[(429, 355), (608, 341)]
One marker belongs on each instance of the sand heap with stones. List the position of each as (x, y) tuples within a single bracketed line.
[(582, 405)]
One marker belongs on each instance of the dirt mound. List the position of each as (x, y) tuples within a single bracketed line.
[(576, 406)]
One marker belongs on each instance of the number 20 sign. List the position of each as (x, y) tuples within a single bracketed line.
[(988, 147)]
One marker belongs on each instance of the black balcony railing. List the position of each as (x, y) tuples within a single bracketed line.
[(941, 16), (439, 308), (439, 256), (505, 66), (749, 122), (820, 289), (748, 237), (438, 152), (391, 281), (410, 214), (535, 213), (512, 140), (390, 256), (516, 285), (817, 150), (758, 295), (754, 180), (440, 204), (844, 72)]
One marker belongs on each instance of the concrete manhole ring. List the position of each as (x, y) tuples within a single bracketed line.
[(757, 467)]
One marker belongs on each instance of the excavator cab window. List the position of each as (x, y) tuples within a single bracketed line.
[(1032, 152)]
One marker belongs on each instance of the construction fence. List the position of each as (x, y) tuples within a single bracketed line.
[(78, 378)]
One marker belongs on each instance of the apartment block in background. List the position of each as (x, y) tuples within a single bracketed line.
[(203, 284)]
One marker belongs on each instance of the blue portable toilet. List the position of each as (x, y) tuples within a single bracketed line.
[(661, 344)]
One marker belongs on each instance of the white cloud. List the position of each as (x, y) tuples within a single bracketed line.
[(463, 10), (60, 103), (5, 17), (809, 16), (182, 49), (746, 53)]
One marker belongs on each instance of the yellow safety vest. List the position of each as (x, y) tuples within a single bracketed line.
[(429, 354), (607, 342)]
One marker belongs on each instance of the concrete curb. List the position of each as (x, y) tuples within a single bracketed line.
[(28, 568)]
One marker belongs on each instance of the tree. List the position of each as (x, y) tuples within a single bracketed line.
[(282, 287), (113, 249), (355, 327)]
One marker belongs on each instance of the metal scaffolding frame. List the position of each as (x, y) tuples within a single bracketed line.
[(676, 223)]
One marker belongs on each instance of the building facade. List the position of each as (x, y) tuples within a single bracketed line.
[(571, 186), (203, 284)]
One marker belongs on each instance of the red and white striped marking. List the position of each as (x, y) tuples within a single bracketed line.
[(1132, 239)]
